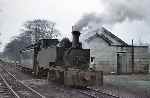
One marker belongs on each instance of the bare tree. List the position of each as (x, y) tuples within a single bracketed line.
[(12, 49), (32, 32), (40, 29)]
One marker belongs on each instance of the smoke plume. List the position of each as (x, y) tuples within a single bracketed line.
[(117, 11)]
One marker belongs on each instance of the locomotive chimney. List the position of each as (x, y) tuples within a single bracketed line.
[(75, 41)]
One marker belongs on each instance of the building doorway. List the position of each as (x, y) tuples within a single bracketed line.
[(121, 62)]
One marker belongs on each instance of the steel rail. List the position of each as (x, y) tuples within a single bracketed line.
[(88, 94), (100, 91), (23, 84), (9, 87)]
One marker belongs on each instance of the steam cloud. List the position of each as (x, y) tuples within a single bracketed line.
[(116, 11)]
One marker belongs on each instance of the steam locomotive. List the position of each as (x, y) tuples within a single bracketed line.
[(69, 66)]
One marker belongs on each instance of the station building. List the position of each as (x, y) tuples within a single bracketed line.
[(112, 55)]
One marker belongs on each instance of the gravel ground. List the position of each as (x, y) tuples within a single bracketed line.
[(52, 90), (116, 85), (137, 85)]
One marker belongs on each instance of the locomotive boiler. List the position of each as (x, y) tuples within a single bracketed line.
[(69, 66)]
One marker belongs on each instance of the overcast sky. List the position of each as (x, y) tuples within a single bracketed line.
[(13, 13)]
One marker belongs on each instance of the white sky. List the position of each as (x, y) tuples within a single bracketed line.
[(13, 13), (64, 12)]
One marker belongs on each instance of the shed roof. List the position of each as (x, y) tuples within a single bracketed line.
[(104, 32), (100, 36), (113, 36)]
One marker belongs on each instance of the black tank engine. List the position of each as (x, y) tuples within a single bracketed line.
[(67, 66)]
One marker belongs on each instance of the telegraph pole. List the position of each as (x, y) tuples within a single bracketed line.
[(35, 52), (132, 54)]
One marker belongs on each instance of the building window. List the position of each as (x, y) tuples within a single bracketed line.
[(92, 59)]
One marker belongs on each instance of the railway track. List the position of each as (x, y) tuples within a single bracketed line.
[(5, 89), (89, 92), (13, 88), (24, 69), (95, 93)]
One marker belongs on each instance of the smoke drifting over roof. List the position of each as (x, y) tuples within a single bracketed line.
[(116, 11)]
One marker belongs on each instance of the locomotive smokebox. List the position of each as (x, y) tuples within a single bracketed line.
[(75, 41)]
